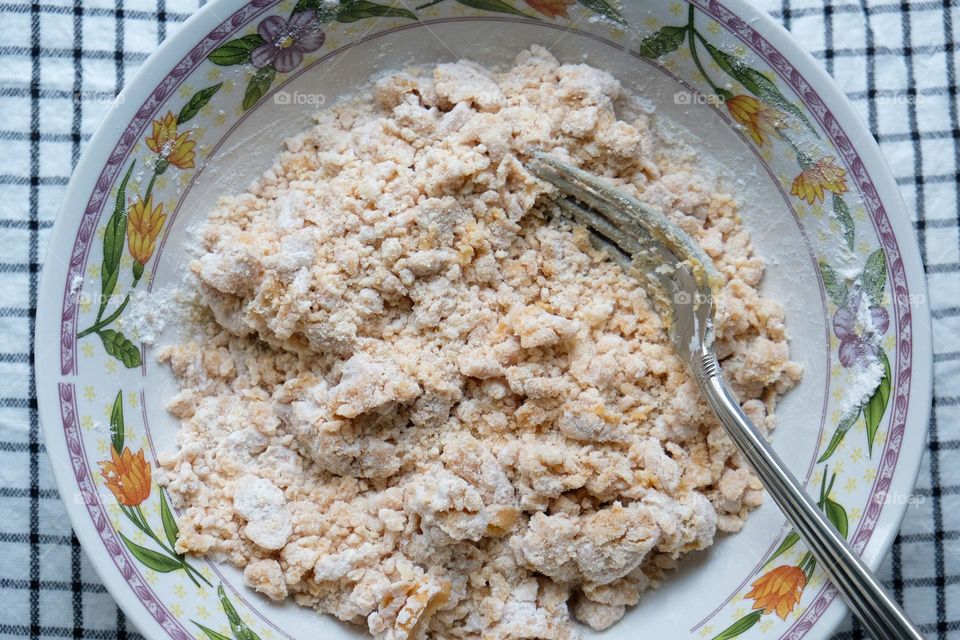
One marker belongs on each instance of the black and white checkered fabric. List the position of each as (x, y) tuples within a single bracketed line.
[(61, 63)]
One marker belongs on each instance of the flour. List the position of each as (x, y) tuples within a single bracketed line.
[(147, 314), (862, 386), (418, 401), (76, 283)]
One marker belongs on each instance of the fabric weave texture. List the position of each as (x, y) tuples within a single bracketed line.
[(62, 63)]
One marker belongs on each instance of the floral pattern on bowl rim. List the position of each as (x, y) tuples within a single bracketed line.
[(785, 594)]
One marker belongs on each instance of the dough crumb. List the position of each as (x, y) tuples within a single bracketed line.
[(418, 401)]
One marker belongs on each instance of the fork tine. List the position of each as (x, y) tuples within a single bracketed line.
[(623, 240), (630, 252), (574, 185), (626, 213)]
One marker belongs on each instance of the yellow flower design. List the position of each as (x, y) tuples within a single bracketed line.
[(759, 119), (143, 226), (823, 175), (778, 591), (127, 476), (164, 141)]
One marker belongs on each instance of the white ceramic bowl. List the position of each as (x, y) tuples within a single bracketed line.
[(822, 248)]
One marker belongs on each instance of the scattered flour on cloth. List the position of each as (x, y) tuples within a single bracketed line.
[(417, 402)]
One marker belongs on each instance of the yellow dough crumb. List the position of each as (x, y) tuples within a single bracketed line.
[(420, 404)]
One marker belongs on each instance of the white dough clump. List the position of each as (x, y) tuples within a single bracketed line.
[(421, 403)]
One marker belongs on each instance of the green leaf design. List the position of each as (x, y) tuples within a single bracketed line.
[(834, 512), (740, 627), (874, 408), (662, 42), (170, 528), (494, 5), (199, 99), (236, 51), (837, 515), (114, 236), (809, 567), (210, 633), (605, 9), (325, 11), (756, 83), (240, 630), (150, 558), (361, 9), (116, 423), (792, 538), (874, 277), (845, 423), (768, 91), (259, 84), (136, 270), (118, 346), (727, 62), (842, 213), (835, 285)]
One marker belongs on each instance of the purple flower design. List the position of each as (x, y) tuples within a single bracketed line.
[(285, 41), (859, 330)]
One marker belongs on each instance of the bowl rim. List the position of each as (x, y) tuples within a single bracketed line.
[(194, 29), (910, 456)]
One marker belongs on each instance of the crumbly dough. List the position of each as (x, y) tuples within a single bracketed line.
[(420, 403)]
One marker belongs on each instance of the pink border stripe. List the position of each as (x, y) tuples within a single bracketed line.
[(91, 498), (897, 278), (118, 158)]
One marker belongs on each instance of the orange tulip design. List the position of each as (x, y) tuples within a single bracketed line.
[(143, 225), (823, 175), (175, 149), (551, 8), (127, 476), (778, 591), (759, 119)]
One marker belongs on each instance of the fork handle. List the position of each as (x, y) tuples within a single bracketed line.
[(869, 602)]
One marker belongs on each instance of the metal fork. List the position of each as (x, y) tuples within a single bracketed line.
[(682, 282)]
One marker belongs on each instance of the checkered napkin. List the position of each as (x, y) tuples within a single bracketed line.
[(60, 66)]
